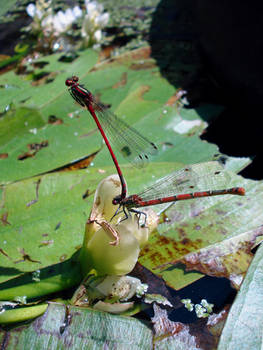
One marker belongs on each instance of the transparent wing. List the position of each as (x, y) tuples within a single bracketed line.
[(191, 178), (133, 146)]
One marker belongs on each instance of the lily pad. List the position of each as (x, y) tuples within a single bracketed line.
[(243, 326), (138, 95), (207, 234), (7, 6), (79, 328), (43, 220)]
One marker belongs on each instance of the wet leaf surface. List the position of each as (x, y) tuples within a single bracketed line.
[(46, 112), (243, 328), (230, 258), (46, 218), (38, 210), (77, 328), (42, 216), (212, 236)]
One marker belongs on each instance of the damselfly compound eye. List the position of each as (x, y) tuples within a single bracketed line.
[(69, 82)]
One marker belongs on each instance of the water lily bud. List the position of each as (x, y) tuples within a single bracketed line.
[(107, 189), (120, 259), (143, 232), (111, 245)]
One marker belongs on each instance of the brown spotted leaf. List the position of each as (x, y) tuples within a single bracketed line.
[(211, 236), (230, 258)]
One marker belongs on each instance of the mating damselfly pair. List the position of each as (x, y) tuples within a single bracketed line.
[(179, 185)]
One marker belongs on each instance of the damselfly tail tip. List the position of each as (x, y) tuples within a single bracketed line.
[(240, 191)]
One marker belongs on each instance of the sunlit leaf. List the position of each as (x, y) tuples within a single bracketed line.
[(207, 234), (243, 329), (79, 328), (6, 6), (43, 220), (141, 97)]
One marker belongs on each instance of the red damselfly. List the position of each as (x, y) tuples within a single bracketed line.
[(126, 139), (193, 181)]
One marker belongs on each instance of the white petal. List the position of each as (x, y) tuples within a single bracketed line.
[(59, 22), (31, 10), (103, 19), (59, 28), (39, 13), (84, 34), (69, 15), (91, 7), (77, 11), (86, 3), (98, 35), (88, 24), (60, 17)]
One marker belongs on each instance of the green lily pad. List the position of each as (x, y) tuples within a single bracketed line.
[(141, 97), (43, 220), (243, 326), (6, 6), (81, 329), (206, 235)]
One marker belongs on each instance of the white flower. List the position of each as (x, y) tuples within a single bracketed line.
[(93, 22), (47, 23), (188, 304), (33, 11), (62, 21), (103, 19), (98, 35), (93, 8), (77, 11), (87, 25), (205, 304)]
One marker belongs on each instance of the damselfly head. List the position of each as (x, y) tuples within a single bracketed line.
[(117, 200), (71, 81)]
